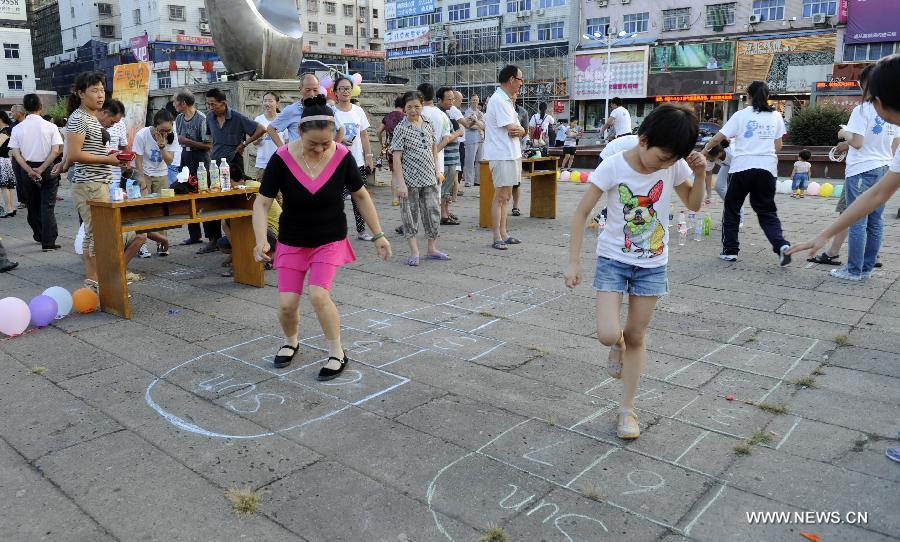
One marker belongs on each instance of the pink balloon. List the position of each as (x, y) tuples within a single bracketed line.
[(813, 189), (326, 82), (322, 91), (14, 316), (356, 78), (564, 176)]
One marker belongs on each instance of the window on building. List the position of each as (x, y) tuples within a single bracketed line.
[(176, 13), (330, 8), (363, 32), (74, 33), (348, 10), (312, 5), (331, 29), (164, 79), (348, 46), (518, 34), (15, 82), (551, 31), (597, 25), (513, 6), (676, 19), (812, 7), (136, 16), (392, 24), (458, 12), (348, 30), (203, 15), (104, 9), (769, 10), (363, 12), (867, 51), (374, 13), (374, 47), (551, 3), (178, 31), (313, 44), (719, 15), (107, 31), (332, 44), (10, 50), (637, 22), (375, 33), (486, 8), (313, 26)]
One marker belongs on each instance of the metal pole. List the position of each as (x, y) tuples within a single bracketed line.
[(608, 76)]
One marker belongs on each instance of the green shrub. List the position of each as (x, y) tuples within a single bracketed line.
[(817, 126), (58, 109)]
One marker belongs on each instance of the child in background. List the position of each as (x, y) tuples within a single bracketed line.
[(632, 251), (716, 155), (800, 174)]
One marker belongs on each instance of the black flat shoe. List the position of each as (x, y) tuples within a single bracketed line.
[(284, 361), (330, 374)]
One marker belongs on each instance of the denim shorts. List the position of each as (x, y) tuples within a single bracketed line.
[(615, 276)]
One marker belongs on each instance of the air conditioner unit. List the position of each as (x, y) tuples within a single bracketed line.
[(525, 14), (602, 3), (819, 18), (539, 12), (204, 27), (626, 2), (362, 19), (754, 19)]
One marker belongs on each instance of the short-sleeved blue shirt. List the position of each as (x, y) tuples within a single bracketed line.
[(233, 132), (289, 119)]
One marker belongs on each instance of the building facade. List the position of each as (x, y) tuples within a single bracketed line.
[(707, 54), (84, 20), (46, 40), (348, 33), (16, 64), (464, 44)]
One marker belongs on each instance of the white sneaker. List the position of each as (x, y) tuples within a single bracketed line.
[(144, 252), (784, 259), (728, 257), (844, 274), (467, 184)]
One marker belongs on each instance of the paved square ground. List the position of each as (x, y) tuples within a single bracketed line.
[(477, 396)]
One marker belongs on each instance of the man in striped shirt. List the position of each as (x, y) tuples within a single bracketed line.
[(445, 98)]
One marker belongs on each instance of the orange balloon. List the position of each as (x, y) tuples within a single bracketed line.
[(84, 300)]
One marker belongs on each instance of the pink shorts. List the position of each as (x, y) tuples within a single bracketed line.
[(321, 263)]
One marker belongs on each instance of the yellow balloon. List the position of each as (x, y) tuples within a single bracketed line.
[(357, 90), (826, 190), (575, 177)]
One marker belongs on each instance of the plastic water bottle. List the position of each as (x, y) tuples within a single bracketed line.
[(692, 222), (133, 189), (707, 224), (698, 230), (214, 179), (682, 229), (225, 175), (671, 215), (202, 178)]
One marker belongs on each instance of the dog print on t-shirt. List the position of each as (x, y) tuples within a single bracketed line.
[(644, 234)]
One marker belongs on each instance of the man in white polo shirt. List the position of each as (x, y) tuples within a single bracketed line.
[(503, 150), (35, 144), (619, 119)]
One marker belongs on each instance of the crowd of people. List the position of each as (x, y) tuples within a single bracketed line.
[(315, 153)]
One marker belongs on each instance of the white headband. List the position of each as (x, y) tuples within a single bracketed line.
[(315, 117)]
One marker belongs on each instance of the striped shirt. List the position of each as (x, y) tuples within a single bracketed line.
[(81, 122)]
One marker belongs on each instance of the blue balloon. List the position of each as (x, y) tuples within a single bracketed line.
[(43, 310)]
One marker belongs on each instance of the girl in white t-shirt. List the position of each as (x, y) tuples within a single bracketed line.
[(800, 174), (265, 147), (356, 139), (632, 251), (757, 131)]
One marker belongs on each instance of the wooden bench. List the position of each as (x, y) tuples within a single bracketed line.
[(112, 219), (541, 172)]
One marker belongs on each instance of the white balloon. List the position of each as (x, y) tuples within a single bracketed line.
[(63, 300)]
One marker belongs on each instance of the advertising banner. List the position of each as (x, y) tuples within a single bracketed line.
[(131, 86), (194, 40), (408, 8), (13, 10), (140, 48), (842, 11), (872, 20), (788, 65), (690, 82), (692, 56), (407, 37), (627, 75)]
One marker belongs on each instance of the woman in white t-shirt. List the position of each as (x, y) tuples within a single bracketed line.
[(266, 146), (539, 128), (154, 148), (356, 139), (757, 131)]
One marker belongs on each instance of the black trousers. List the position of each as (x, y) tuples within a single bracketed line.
[(20, 175), (40, 201), (759, 184), (213, 228)]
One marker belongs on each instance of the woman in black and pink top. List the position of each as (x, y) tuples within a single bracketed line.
[(311, 174)]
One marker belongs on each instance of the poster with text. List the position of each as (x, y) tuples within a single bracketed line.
[(627, 72), (870, 21), (13, 10), (788, 65), (131, 86)]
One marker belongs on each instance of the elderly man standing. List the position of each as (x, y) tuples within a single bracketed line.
[(34, 145), (193, 136), (503, 150), (474, 139), (289, 117)]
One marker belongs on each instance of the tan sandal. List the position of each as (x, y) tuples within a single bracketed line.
[(628, 428), (93, 285), (614, 361)]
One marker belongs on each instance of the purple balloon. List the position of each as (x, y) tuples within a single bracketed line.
[(43, 310)]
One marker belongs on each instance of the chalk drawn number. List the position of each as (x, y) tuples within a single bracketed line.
[(645, 480)]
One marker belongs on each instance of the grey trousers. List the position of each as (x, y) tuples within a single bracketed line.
[(421, 203), (472, 167), (722, 185)]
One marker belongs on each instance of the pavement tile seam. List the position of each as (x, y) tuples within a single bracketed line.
[(33, 466)]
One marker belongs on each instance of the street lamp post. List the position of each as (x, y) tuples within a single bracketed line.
[(610, 34)]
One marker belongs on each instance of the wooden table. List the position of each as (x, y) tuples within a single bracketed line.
[(112, 219), (541, 172)]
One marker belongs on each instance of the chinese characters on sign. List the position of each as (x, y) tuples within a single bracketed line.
[(696, 98), (627, 75)]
